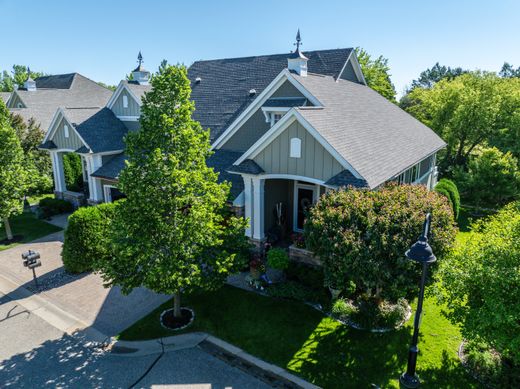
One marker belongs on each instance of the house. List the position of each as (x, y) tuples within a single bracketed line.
[(39, 99), (4, 96), (284, 129)]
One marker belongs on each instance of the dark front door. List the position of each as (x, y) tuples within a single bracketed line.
[(304, 198)]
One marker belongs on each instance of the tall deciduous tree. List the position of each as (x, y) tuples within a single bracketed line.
[(13, 177), (377, 73), (170, 233), (17, 77)]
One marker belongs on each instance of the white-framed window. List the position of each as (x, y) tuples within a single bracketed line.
[(275, 117), (19, 105), (125, 101), (295, 148), (66, 131)]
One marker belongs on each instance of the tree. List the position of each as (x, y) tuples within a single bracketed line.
[(361, 237), (377, 73), (171, 234), (481, 283), (491, 179), (13, 178), (18, 77), (466, 112), (429, 77), (508, 71)]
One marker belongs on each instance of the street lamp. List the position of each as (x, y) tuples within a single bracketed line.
[(420, 252)]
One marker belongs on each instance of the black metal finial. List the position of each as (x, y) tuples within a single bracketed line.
[(140, 58), (28, 73), (298, 41)]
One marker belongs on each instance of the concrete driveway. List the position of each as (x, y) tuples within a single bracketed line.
[(34, 354), (83, 296)]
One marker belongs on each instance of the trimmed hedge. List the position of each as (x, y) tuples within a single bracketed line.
[(50, 206), (449, 189), (87, 237)]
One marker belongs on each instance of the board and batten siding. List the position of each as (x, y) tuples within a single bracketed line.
[(256, 126), (73, 142), (14, 101), (133, 108), (315, 161)]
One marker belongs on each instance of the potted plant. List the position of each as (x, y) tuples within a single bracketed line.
[(256, 268), (277, 261)]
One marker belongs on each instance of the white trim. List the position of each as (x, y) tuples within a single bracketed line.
[(258, 208), (52, 131), (278, 128), (357, 69), (315, 192), (128, 118), (283, 76), (122, 85), (239, 200), (248, 204), (107, 193)]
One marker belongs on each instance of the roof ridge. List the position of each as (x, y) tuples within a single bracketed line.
[(269, 55)]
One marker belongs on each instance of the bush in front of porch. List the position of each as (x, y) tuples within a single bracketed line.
[(361, 237)]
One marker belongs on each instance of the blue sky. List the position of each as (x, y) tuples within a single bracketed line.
[(100, 39)]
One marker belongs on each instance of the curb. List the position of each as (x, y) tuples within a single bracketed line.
[(134, 348)]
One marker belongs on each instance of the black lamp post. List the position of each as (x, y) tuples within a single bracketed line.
[(420, 252)]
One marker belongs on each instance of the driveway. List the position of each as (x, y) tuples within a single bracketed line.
[(34, 354), (83, 296)]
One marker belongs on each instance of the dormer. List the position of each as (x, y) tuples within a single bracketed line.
[(297, 62), (29, 84), (140, 74)]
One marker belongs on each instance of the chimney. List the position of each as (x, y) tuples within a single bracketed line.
[(297, 62), (140, 74), (29, 84)]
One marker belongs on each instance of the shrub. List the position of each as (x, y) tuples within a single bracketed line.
[(73, 172), (277, 258), (449, 189), (492, 178), (50, 206), (480, 283), (291, 290), (87, 237), (361, 236), (310, 276), (368, 313), (344, 309)]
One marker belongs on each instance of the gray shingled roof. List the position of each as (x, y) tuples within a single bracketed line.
[(99, 127), (42, 103), (112, 168), (247, 166), (4, 96), (49, 145), (223, 92), (220, 161), (375, 136), (137, 89), (346, 178), (56, 81)]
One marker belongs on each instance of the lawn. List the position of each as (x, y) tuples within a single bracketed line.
[(321, 350), (29, 226), (35, 199), (466, 217)]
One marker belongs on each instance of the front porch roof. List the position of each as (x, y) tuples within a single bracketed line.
[(83, 150), (346, 178), (48, 145), (248, 166), (111, 169)]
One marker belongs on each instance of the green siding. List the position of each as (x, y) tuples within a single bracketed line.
[(73, 142), (349, 74), (133, 108), (132, 126), (315, 161), (14, 100), (256, 126)]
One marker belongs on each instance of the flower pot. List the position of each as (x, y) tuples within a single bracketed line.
[(334, 293)]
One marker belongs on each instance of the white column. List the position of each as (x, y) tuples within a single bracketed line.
[(258, 208), (248, 204), (94, 184), (57, 170)]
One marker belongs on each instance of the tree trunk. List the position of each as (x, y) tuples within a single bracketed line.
[(177, 304), (8, 232)]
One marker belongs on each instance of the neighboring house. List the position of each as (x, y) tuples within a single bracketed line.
[(4, 96), (284, 129), (39, 99)]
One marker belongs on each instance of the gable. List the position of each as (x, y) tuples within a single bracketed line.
[(15, 101), (314, 161), (348, 73), (133, 109), (256, 125), (72, 142)]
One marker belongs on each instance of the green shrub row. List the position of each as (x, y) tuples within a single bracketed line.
[(87, 237), (449, 189), (50, 206)]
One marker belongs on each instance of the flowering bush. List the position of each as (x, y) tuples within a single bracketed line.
[(361, 236), (298, 240)]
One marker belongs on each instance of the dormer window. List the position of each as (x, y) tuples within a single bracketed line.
[(273, 115), (66, 131), (125, 101)]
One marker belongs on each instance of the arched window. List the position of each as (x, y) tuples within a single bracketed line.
[(125, 101), (296, 148)]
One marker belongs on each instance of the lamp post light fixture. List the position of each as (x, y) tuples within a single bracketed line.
[(420, 252)]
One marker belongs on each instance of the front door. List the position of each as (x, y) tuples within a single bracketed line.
[(305, 196)]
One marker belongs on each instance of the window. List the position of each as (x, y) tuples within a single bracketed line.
[(275, 117), (296, 148), (415, 173), (125, 101), (66, 131), (19, 105)]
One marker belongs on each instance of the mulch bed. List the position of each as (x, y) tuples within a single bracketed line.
[(169, 321)]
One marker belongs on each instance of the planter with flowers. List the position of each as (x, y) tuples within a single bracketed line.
[(299, 253)]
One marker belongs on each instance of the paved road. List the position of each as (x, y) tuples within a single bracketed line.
[(34, 354)]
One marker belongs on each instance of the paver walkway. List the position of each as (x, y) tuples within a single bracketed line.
[(105, 309)]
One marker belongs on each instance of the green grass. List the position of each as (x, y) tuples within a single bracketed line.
[(29, 226), (321, 350), (35, 200), (466, 217)]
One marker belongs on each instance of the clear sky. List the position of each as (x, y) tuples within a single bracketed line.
[(101, 39)]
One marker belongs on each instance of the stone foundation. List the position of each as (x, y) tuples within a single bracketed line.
[(303, 256)]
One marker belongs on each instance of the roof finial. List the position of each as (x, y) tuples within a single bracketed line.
[(140, 58), (298, 41), (28, 73)]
